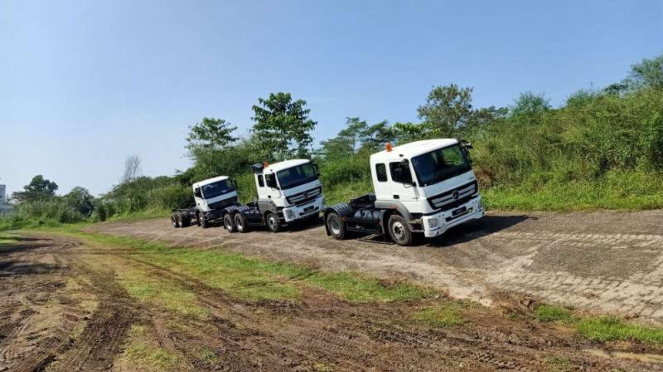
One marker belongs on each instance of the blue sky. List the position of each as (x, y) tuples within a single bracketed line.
[(85, 83)]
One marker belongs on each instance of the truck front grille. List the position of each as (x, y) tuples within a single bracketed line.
[(454, 197), (305, 197), (223, 203)]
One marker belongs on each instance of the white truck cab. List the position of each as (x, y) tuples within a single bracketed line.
[(291, 189), (432, 179), (420, 187), (214, 193), (212, 196)]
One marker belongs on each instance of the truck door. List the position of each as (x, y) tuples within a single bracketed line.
[(402, 184)]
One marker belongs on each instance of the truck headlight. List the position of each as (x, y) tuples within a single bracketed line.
[(290, 214), (433, 223)]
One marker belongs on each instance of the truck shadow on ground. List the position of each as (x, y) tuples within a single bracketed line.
[(473, 230), (18, 268)]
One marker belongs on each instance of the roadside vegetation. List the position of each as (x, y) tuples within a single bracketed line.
[(601, 149)]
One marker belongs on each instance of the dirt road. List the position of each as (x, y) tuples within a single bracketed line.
[(69, 306), (604, 261)]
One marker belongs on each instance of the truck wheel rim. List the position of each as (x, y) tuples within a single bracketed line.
[(227, 222), (173, 221), (272, 222), (335, 226), (240, 227), (398, 230)]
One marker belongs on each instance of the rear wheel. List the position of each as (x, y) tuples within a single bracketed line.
[(240, 223), (174, 221), (335, 226), (272, 222), (399, 230), (186, 219), (228, 223), (178, 219)]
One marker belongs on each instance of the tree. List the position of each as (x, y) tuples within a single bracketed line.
[(132, 168), (447, 109), (283, 126), (39, 188), (80, 199), (647, 74), (529, 103), (210, 133)]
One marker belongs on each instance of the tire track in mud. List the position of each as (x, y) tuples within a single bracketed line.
[(356, 342), (53, 348)]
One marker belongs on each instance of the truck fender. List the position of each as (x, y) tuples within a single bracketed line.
[(342, 209), (265, 206), (394, 207)]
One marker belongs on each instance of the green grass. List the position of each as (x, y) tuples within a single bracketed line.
[(614, 329), (252, 279), (444, 315), (163, 293), (559, 363), (550, 313), (602, 328), (617, 190)]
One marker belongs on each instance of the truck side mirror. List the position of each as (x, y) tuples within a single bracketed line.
[(234, 183), (197, 193), (270, 181), (316, 169)]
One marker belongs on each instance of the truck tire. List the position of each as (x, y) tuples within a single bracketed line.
[(229, 223), (185, 220), (335, 226), (240, 223), (202, 222), (272, 222), (399, 230), (174, 221)]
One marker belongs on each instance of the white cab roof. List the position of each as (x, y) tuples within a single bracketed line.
[(412, 149), (285, 165), (210, 180)]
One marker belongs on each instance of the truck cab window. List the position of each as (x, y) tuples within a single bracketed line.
[(381, 172), (261, 181), (400, 172), (270, 181), (197, 193)]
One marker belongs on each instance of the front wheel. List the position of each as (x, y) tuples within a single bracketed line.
[(202, 222), (272, 221), (335, 226), (399, 230), (229, 224)]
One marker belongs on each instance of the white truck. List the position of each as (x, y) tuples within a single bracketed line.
[(423, 187), (212, 197)]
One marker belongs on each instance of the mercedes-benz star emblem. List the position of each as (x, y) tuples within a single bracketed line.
[(455, 195)]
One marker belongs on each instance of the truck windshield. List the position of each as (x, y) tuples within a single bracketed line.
[(439, 165), (212, 190), (295, 176)]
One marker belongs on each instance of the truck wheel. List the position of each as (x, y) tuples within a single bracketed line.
[(174, 221), (240, 223), (228, 223), (272, 222), (335, 226), (399, 230), (178, 219), (202, 222), (185, 220)]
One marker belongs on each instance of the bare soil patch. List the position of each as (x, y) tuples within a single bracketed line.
[(65, 310)]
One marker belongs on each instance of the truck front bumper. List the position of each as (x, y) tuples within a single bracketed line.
[(436, 224), (297, 212)]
